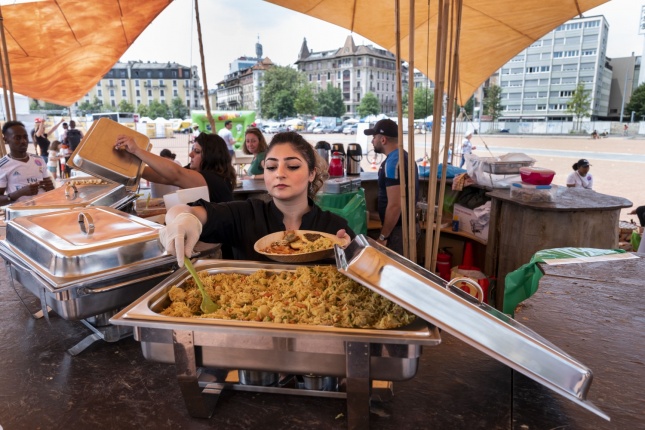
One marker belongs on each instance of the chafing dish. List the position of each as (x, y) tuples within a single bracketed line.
[(119, 172), (358, 355), (85, 262)]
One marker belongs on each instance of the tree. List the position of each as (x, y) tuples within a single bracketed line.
[(468, 107), (125, 106), (493, 102), (142, 110), (330, 102), (34, 105), (423, 102), (579, 104), (636, 102), (178, 108), (305, 102), (280, 87), (369, 105), (158, 109), (95, 106)]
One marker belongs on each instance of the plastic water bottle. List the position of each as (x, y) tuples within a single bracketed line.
[(455, 223)]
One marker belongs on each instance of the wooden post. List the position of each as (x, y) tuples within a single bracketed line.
[(440, 71), (3, 75), (412, 204), (399, 96), (453, 79), (207, 103)]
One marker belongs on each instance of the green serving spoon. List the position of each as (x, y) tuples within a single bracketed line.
[(207, 306)]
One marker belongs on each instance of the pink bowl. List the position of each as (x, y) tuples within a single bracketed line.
[(536, 175)]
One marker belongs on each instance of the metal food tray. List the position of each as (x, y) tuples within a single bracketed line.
[(293, 348), (492, 165), (69, 197)]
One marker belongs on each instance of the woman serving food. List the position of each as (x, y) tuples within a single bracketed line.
[(293, 174)]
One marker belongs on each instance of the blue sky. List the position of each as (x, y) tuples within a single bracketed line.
[(230, 29)]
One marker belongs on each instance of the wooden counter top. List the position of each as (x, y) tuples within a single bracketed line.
[(568, 199)]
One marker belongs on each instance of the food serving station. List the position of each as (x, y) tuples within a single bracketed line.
[(204, 350)]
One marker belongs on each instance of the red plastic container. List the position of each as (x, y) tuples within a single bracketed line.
[(536, 175)]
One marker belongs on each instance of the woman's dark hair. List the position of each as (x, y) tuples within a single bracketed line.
[(262, 145), (166, 153), (581, 163), (315, 162), (215, 156)]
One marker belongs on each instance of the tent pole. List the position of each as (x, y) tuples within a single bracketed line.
[(399, 97), (412, 209), (5, 91), (452, 91), (5, 54), (440, 71), (207, 103)]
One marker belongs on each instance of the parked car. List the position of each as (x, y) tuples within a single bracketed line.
[(350, 129), (318, 130), (338, 129)]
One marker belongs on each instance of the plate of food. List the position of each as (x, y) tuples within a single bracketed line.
[(298, 246)]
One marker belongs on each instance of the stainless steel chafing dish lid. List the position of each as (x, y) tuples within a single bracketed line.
[(481, 326), (83, 241), (71, 196), (96, 155)]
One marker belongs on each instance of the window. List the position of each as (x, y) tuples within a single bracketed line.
[(161, 82), (587, 66), (571, 67), (532, 69), (328, 76), (530, 95), (149, 82), (358, 73), (518, 58), (514, 96), (99, 93), (558, 106), (572, 53), (174, 82), (98, 84), (530, 82), (110, 83), (592, 24), (506, 71), (515, 83), (536, 44), (540, 107), (590, 38), (588, 52), (161, 93), (113, 103), (149, 93), (541, 94), (138, 93), (545, 69), (185, 83), (136, 82), (517, 71), (566, 93), (570, 80), (123, 82), (556, 68), (555, 81), (123, 93), (559, 41), (545, 56), (573, 40), (175, 93), (111, 93), (557, 54)]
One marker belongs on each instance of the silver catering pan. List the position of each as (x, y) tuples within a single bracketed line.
[(73, 196), (85, 261), (292, 348)]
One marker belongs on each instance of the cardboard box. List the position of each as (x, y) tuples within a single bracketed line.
[(468, 223)]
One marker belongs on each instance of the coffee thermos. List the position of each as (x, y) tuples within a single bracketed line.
[(353, 159), (322, 148), (338, 147)]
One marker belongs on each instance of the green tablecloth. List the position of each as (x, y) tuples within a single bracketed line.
[(350, 206)]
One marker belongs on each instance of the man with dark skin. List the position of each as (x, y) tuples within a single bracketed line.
[(21, 174)]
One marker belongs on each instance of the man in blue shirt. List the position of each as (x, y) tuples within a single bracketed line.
[(385, 135)]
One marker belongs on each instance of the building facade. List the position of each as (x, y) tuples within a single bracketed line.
[(624, 81), (355, 70), (138, 82), (538, 83)]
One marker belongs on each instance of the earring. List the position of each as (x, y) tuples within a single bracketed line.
[(311, 187)]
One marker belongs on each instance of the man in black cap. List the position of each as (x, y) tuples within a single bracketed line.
[(385, 137)]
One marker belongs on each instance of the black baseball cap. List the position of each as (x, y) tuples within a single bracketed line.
[(386, 127), (583, 162)]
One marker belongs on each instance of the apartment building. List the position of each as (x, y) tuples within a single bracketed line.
[(356, 70), (538, 82), (139, 82)]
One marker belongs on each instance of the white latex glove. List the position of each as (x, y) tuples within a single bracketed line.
[(180, 236)]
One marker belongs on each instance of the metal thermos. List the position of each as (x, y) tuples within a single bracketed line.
[(336, 165), (322, 148), (338, 147), (353, 159)]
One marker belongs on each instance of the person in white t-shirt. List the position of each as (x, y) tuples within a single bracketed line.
[(22, 175), (466, 147), (227, 135), (580, 177)]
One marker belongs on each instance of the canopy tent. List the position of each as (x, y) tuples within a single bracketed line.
[(493, 31), (59, 49)]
